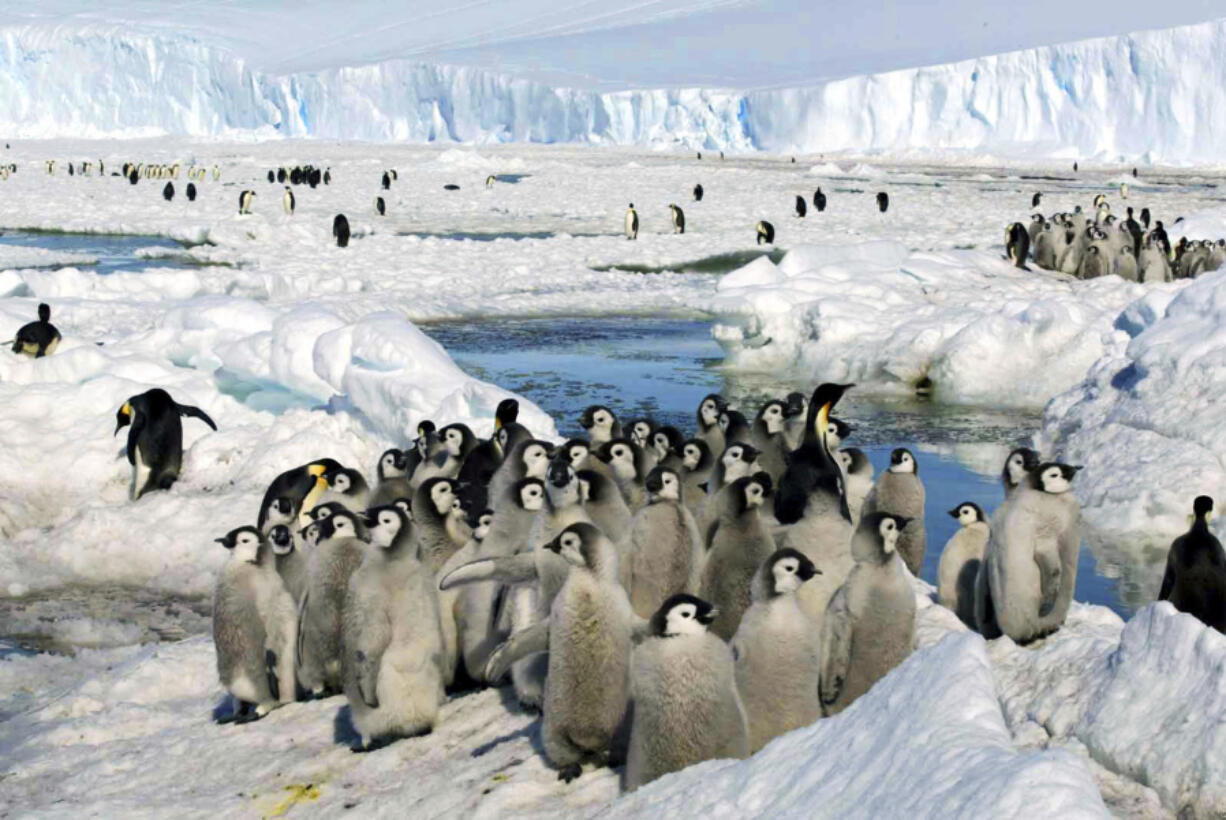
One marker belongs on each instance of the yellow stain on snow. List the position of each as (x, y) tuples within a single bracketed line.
[(298, 793)]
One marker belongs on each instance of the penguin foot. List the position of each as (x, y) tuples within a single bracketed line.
[(248, 717), (568, 773)]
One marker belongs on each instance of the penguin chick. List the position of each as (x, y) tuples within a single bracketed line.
[(770, 437), (777, 650), (601, 425), (664, 550), (348, 487), (604, 504), (1195, 578), (736, 428), (708, 413), (391, 636), (666, 445), (291, 564), (38, 339), (961, 561), (1018, 465), (529, 458), (857, 479), (696, 465), (796, 406), (629, 467), (869, 626), (456, 441), (686, 706), (393, 480), (254, 624), (439, 529), (738, 541), (338, 553), (640, 431), (155, 441), (900, 492)]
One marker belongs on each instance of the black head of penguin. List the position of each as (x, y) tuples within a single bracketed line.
[(956, 512), (696, 454), (249, 538), (668, 439), (281, 539), (821, 404), (735, 425), (587, 420), (44, 312), (624, 451), (560, 471), (720, 405), (1053, 477), (342, 523), (751, 491), (900, 456), (506, 413), (1202, 508), (798, 564), (687, 607), (794, 404), (841, 428)]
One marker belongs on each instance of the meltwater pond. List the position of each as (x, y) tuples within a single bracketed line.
[(662, 368), (114, 252)]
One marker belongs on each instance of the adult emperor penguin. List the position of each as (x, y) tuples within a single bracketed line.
[(386, 182), (678, 217), (1031, 559), (664, 550), (698, 192), (778, 651), (340, 230), (168, 192), (738, 541), (883, 201), (287, 201), (302, 487), (338, 553), (155, 440), (380, 206), (439, 527), (291, 564), (254, 625), (244, 202), (490, 180), (900, 491), (632, 222), (961, 561), (857, 479), (708, 413), (686, 705), (801, 208), (869, 626), (191, 192), (392, 640), (393, 481), (765, 232), (601, 425), (819, 200), (1036, 199), (1017, 244), (1195, 579), (37, 339), (347, 486)]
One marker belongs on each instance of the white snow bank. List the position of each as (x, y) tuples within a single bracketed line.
[(20, 256), (979, 329)]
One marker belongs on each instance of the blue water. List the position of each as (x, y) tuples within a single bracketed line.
[(115, 253)]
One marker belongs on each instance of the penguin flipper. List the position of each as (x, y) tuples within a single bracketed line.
[(521, 644), (368, 678), (1050, 570), (300, 639), (514, 569), (134, 432), (1168, 582), (270, 669), (836, 649), (196, 412)]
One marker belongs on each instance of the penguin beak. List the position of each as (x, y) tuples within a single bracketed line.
[(369, 520), (225, 542), (708, 617), (902, 522), (555, 546), (807, 572), (497, 424), (953, 513)]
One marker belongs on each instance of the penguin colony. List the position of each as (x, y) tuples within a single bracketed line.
[(1094, 243)]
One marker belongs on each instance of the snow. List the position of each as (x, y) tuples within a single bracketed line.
[(16, 256)]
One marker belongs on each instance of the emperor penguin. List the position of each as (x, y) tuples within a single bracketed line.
[(439, 528), (338, 553), (708, 413), (883, 201), (628, 465), (736, 427), (272, 177), (1152, 263), (869, 626), (302, 487), (347, 486), (244, 202), (857, 479), (37, 339), (393, 480), (380, 206), (1017, 244), (1036, 199), (765, 232), (528, 458), (737, 461), (490, 180), (900, 491), (216, 173), (738, 541), (456, 442), (796, 407), (961, 561), (287, 201), (664, 551), (485, 456), (686, 705), (698, 192), (777, 651), (601, 425), (819, 200), (1031, 559), (1018, 466), (327, 176), (666, 445), (392, 639), (678, 217), (696, 465), (1195, 578), (290, 562), (155, 440), (340, 230), (191, 192), (254, 625), (632, 222), (801, 208), (386, 181), (769, 436), (606, 506), (168, 192)]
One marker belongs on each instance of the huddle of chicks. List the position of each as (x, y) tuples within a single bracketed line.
[(1088, 246), (661, 600)]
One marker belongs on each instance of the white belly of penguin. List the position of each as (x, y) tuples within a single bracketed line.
[(140, 475)]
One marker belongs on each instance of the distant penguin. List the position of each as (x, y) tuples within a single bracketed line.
[(883, 201), (451, 186), (678, 217), (191, 192), (133, 177), (1036, 199), (632, 223), (281, 175), (819, 200), (254, 628), (1075, 168), (777, 651), (272, 177), (340, 230), (961, 560), (801, 208), (287, 201), (1145, 218), (168, 193), (37, 339), (766, 232), (380, 206), (216, 173), (698, 192), (1195, 578), (387, 181), (1093, 264), (686, 706), (244, 202), (869, 627), (327, 176), (1017, 244), (155, 440), (1134, 173), (900, 492), (1123, 190)]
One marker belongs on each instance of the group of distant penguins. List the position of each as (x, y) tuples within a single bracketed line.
[(1089, 247), (659, 603)]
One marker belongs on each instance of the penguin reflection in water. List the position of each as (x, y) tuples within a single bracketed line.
[(155, 440)]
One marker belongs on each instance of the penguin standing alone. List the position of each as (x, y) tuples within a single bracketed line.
[(1195, 579), (800, 206), (340, 230), (632, 223), (961, 560), (37, 339), (678, 217), (819, 200), (1036, 199), (168, 193), (698, 192), (191, 192), (766, 232), (883, 201), (244, 202), (155, 442), (287, 201), (1017, 244), (380, 206)]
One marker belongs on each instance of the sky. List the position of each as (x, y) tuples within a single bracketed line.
[(612, 44)]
